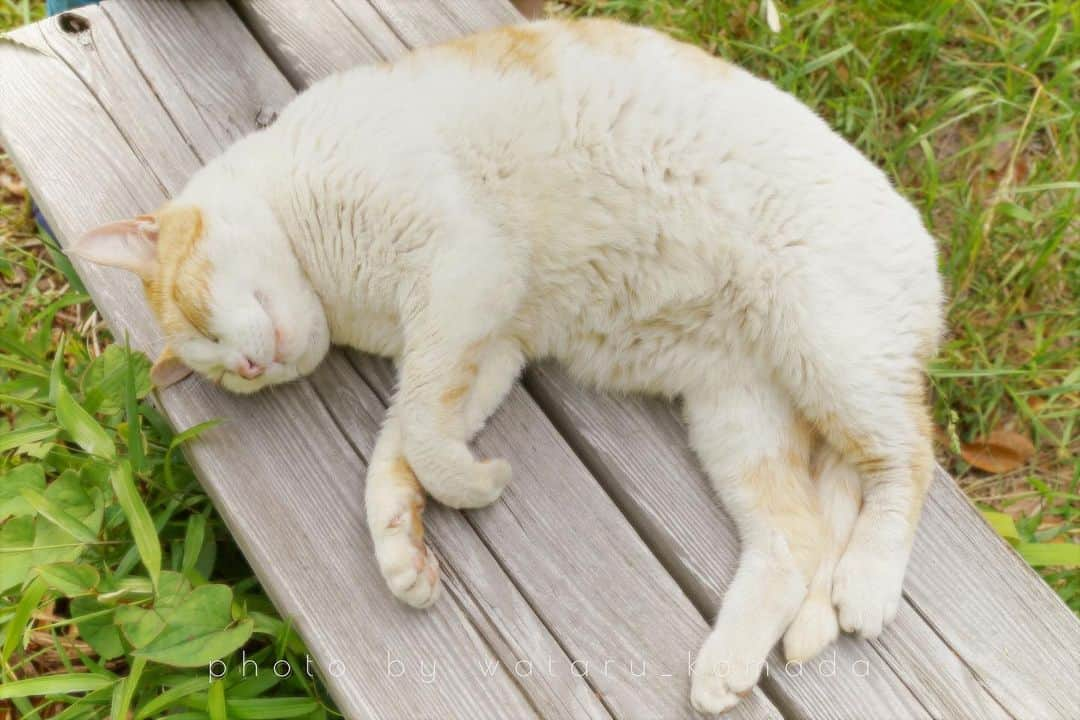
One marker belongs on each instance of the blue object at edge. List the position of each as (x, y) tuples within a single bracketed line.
[(58, 6)]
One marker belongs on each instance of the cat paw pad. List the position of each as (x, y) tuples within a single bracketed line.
[(866, 591), (724, 673), (813, 629), (478, 486), (409, 567)]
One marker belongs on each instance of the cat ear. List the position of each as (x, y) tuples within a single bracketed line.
[(128, 244), (168, 369)]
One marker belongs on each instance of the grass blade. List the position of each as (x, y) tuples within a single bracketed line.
[(81, 426), (17, 625), (138, 517), (125, 690), (55, 685)]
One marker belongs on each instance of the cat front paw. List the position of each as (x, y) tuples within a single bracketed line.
[(867, 587), (409, 567), (477, 484), (813, 629), (725, 671)]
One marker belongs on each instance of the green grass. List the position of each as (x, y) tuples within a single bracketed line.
[(971, 107)]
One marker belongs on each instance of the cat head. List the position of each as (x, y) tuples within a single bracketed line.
[(226, 288)]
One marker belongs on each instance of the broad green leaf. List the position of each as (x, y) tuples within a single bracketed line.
[(55, 685), (70, 579), (189, 628), (57, 515), (77, 499), (28, 475), (107, 378), (53, 544), (172, 589), (138, 517), (26, 436), (97, 627), (16, 551), (140, 625), (81, 426), (174, 647), (26, 542), (1065, 554)]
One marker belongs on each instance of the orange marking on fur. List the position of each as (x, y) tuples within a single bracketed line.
[(180, 294), (454, 395), (922, 455), (782, 488), (403, 471), (507, 48)]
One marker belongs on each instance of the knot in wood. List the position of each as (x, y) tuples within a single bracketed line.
[(73, 23), (265, 117)]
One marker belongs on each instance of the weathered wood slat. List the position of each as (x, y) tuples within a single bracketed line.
[(423, 22), (1003, 621), (979, 635), (285, 31), (94, 143)]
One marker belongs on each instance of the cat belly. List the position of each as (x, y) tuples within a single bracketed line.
[(667, 354)]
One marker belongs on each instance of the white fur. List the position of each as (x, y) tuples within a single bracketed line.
[(659, 222)]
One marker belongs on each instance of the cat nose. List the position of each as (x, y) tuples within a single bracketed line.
[(248, 369)]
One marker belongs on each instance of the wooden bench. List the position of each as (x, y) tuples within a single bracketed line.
[(586, 590)]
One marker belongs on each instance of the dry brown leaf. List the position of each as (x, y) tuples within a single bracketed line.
[(12, 184), (999, 452)]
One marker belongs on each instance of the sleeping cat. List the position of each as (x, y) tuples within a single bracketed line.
[(654, 218)]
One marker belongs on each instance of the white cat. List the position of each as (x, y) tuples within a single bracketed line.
[(656, 219)]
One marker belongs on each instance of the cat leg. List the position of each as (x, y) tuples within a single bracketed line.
[(839, 492), (498, 369), (892, 450), (395, 499), (395, 504), (437, 421), (756, 452), (453, 322)]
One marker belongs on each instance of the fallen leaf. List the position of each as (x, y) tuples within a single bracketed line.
[(772, 16), (999, 452), (12, 185)]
